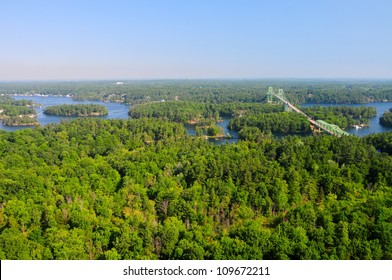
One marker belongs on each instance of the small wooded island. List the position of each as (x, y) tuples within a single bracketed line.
[(386, 118), (76, 110), (17, 112), (21, 121)]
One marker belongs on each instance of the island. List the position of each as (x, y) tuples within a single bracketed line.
[(21, 121), (76, 110), (17, 112), (386, 118)]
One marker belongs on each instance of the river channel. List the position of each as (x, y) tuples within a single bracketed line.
[(120, 111)]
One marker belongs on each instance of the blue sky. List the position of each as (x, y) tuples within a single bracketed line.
[(79, 40)]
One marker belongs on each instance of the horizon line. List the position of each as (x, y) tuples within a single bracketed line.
[(195, 79)]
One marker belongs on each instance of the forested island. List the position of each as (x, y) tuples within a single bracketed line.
[(386, 118), (17, 112), (76, 110), (20, 121)]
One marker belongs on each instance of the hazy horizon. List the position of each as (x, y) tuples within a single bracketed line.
[(198, 40), (125, 81)]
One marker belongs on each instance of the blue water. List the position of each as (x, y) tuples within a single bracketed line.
[(223, 124), (374, 125), (120, 111), (115, 110)]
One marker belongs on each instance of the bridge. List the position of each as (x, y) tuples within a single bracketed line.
[(322, 125)]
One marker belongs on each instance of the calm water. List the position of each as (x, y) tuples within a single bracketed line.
[(224, 124), (120, 111), (116, 110), (374, 125)]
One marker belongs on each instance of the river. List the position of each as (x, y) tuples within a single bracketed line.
[(374, 125), (120, 111)]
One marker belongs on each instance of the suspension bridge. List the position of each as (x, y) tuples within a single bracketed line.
[(320, 124)]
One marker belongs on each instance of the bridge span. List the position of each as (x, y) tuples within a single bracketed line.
[(327, 127)]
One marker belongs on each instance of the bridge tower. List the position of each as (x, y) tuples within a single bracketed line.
[(277, 98), (281, 94), (273, 97), (287, 108), (270, 95)]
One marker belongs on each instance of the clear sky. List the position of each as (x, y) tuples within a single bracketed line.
[(181, 39)]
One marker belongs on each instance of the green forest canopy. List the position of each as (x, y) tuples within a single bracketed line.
[(76, 110), (386, 118), (17, 112), (142, 189)]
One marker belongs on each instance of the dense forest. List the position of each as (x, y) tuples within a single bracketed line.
[(143, 189), (197, 112), (76, 110), (177, 111), (285, 122), (15, 109), (386, 118)]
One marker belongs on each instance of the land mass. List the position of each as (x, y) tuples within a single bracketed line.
[(386, 118), (76, 110)]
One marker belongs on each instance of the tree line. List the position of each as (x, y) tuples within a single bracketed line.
[(76, 110), (218, 91), (197, 112)]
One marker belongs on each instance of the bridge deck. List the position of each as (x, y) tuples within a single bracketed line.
[(329, 128)]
